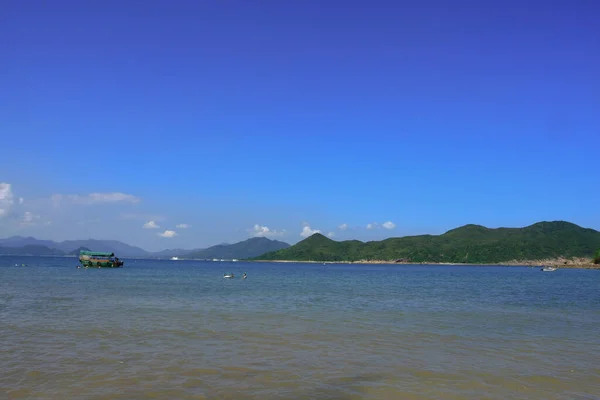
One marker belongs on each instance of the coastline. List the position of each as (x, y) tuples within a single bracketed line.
[(574, 263)]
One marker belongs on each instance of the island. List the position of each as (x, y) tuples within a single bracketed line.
[(549, 243)]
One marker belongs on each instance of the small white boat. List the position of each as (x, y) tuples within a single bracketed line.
[(549, 269), (174, 258), (228, 276)]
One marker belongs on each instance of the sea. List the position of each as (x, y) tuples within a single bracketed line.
[(162, 329)]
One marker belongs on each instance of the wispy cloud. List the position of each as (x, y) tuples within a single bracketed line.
[(386, 225), (141, 217), (6, 198), (95, 198), (308, 231), (343, 227), (29, 218), (331, 234), (389, 225), (265, 231), (89, 221), (150, 225), (182, 226), (167, 234)]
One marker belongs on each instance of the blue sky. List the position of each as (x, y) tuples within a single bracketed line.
[(227, 115)]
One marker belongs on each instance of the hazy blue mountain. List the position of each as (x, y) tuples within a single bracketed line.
[(246, 249), (78, 250), (168, 253), (31, 250), (111, 246), (20, 241)]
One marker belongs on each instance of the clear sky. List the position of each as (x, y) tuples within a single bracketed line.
[(241, 118)]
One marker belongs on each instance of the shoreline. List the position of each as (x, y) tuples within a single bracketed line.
[(575, 263)]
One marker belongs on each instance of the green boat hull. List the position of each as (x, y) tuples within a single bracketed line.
[(91, 259), (101, 264)]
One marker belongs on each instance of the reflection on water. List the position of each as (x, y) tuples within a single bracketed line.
[(166, 330)]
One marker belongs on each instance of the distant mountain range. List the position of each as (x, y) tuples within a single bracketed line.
[(247, 249), (62, 248), (18, 245), (467, 244)]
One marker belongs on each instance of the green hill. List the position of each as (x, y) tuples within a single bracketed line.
[(470, 243), (242, 250)]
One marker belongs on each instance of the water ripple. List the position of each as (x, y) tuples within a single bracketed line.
[(168, 330)]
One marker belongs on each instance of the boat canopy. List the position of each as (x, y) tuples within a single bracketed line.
[(95, 254)]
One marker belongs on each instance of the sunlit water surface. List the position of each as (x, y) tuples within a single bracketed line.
[(178, 330)]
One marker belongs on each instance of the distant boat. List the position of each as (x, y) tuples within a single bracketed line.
[(174, 258), (230, 275), (97, 259), (549, 269)]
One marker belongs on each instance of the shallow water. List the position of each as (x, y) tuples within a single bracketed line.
[(178, 330)]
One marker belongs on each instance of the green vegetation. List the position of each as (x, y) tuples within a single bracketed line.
[(597, 257), (468, 244)]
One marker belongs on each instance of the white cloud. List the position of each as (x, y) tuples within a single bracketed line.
[(21, 200), (389, 225), (29, 218), (343, 227), (307, 231), (151, 225), (331, 234), (95, 198), (6, 198), (372, 226), (167, 234), (182, 226), (265, 231)]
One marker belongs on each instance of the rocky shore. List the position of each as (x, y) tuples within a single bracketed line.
[(584, 263)]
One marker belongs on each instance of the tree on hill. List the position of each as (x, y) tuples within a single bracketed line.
[(597, 257)]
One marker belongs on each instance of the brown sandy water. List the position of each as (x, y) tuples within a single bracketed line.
[(178, 330)]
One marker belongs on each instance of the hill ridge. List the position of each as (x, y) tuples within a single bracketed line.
[(469, 243), (31, 246), (244, 249)]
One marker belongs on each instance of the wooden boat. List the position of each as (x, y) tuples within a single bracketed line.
[(94, 259)]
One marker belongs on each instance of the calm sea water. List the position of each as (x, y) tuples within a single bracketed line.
[(178, 330)]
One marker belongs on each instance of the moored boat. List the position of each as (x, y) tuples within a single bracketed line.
[(549, 269), (95, 259)]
